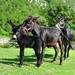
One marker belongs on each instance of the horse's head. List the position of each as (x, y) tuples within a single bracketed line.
[(14, 28), (30, 23), (63, 20), (62, 23)]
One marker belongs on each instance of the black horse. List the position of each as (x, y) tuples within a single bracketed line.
[(15, 28), (49, 36), (26, 41)]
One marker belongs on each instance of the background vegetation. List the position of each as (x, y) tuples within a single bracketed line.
[(48, 10)]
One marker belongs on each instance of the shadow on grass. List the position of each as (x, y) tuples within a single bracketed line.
[(27, 60), (48, 56)]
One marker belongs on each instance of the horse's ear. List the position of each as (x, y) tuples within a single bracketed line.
[(35, 19), (68, 19), (30, 17), (58, 17), (11, 23), (61, 18)]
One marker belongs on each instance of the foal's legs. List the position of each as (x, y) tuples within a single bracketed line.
[(56, 52), (65, 51)]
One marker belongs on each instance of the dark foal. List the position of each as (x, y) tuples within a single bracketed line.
[(66, 45), (61, 25), (70, 37), (49, 36), (26, 41)]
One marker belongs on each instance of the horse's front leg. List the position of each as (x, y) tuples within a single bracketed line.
[(39, 53), (42, 51), (21, 55), (43, 48)]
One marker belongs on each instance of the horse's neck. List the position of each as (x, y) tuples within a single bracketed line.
[(36, 30)]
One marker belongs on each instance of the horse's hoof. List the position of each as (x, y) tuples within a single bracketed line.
[(20, 65), (38, 65), (52, 61), (67, 56), (60, 64)]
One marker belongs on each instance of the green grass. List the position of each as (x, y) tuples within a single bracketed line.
[(9, 59)]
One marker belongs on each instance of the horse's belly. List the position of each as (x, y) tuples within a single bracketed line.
[(51, 43)]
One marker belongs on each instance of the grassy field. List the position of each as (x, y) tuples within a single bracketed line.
[(9, 59)]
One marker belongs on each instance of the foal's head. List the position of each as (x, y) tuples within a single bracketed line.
[(61, 23)]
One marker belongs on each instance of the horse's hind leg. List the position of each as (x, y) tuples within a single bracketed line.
[(56, 52), (68, 51), (21, 55), (65, 51)]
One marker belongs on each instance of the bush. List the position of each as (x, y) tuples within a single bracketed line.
[(7, 45), (18, 10), (57, 10)]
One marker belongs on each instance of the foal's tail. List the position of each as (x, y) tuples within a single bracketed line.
[(70, 46)]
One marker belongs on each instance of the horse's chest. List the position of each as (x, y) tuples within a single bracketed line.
[(27, 41)]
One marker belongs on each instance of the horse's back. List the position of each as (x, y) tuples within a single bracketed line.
[(51, 34)]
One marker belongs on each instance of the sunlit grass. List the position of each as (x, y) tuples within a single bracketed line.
[(9, 60)]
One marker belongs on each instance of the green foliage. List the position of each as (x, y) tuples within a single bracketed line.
[(58, 9), (19, 10), (7, 45), (3, 32)]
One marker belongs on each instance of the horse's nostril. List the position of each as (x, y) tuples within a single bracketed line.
[(62, 25)]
